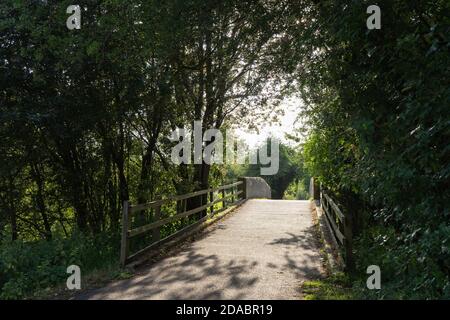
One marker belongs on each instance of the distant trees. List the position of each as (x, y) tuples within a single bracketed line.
[(291, 171)]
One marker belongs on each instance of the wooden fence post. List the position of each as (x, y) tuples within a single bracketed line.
[(224, 202), (156, 235), (348, 232), (211, 199), (201, 213), (125, 244), (187, 219), (243, 187), (314, 189)]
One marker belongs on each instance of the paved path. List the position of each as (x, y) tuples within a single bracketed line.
[(264, 250)]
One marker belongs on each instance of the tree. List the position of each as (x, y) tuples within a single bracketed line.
[(376, 104)]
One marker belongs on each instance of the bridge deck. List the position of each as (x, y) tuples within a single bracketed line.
[(262, 251)]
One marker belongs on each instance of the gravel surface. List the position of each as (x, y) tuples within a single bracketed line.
[(265, 250)]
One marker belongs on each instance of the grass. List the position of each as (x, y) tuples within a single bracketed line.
[(93, 279), (334, 287)]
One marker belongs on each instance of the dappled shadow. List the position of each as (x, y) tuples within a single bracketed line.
[(221, 265), (305, 265), (304, 239), (185, 278)]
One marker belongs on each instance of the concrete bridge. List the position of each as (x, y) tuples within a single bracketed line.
[(264, 249)]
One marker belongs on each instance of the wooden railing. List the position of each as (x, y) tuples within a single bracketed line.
[(340, 226), (230, 194)]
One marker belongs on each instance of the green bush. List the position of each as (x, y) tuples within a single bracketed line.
[(28, 268), (411, 267), (378, 107)]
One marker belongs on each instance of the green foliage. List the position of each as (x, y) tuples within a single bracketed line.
[(377, 109), (289, 172), (335, 287), (28, 268), (86, 115), (297, 190), (410, 268)]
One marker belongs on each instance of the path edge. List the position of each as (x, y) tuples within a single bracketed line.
[(330, 249)]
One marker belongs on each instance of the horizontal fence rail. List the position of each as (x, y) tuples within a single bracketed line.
[(340, 225), (227, 195)]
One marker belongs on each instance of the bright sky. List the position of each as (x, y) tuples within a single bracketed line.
[(287, 124)]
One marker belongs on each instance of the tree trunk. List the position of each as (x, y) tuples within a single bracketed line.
[(40, 202), (13, 219)]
